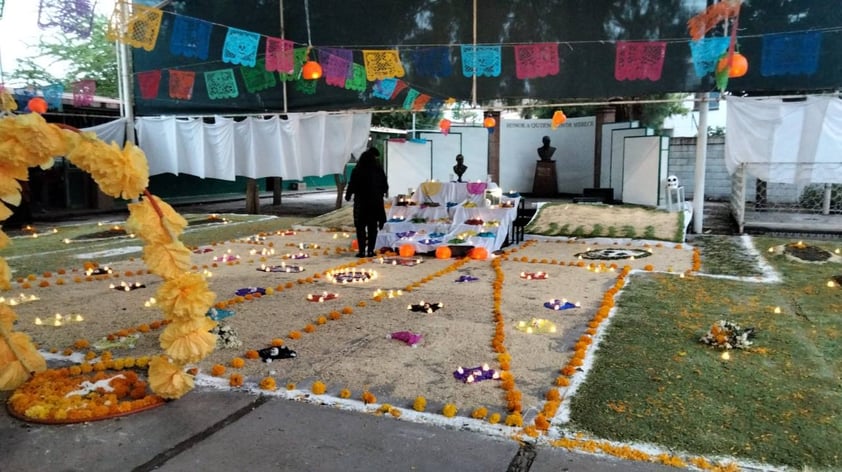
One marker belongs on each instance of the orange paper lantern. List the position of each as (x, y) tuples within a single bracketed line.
[(407, 250), (489, 122), (558, 119), (37, 105), (444, 125), (739, 65), (311, 70), (443, 252), (479, 253)]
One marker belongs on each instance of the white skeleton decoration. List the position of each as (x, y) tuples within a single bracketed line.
[(672, 182), (88, 386)]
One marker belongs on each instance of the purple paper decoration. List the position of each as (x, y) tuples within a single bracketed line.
[(536, 60), (431, 62), (336, 64), (410, 338), (221, 84), (83, 93), (484, 59), (475, 374), (706, 53), (639, 60), (241, 292), (52, 94), (71, 16), (280, 55), (240, 47), (790, 53), (190, 37)]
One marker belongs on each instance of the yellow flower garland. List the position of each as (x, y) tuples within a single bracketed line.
[(27, 141)]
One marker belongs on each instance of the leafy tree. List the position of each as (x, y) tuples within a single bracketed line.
[(403, 120), (66, 58)]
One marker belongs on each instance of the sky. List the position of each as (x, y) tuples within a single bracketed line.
[(19, 27)]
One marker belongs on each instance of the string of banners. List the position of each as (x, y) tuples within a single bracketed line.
[(262, 62)]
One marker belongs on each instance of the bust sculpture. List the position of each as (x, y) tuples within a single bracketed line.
[(460, 167), (546, 151)]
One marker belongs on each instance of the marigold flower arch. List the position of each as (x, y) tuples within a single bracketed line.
[(28, 140)]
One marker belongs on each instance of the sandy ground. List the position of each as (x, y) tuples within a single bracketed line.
[(354, 352)]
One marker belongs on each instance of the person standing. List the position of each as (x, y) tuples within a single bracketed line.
[(368, 185)]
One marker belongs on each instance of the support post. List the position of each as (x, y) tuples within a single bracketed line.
[(252, 197), (701, 160)]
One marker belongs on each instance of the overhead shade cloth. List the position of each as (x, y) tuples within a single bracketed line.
[(299, 145), (792, 142)]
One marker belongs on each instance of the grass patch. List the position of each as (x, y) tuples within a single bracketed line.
[(49, 252), (781, 403), (726, 255)]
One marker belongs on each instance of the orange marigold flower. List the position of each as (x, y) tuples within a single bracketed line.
[(252, 354), (309, 328), (321, 320), (294, 335), (277, 342), (319, 387), (368, 397), (347, 310), (81, 344), (335, 315), (235, 380), (541, 423), (268, 383), (514, 419), (449, 410), (290, 386), (479, 413), (344, 393), (217, 370), (420, 403), (237, 362)]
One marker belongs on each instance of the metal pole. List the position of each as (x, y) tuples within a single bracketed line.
[(283, 32), (474, 79), (124, 54), (701, 158)]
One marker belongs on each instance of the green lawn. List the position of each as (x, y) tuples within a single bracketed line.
[(779, 403)]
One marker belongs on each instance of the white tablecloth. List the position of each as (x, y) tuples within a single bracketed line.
[(445, 223)]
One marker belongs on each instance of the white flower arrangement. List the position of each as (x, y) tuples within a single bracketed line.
[(728, 335)]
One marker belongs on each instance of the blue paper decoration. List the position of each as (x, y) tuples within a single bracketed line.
[(240, 47), (790, 53), (52, 94), (431, 62), (706, 53), (485, 60), (190, 37), (384, 88)]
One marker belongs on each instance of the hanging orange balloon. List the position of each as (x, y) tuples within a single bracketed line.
[(444, 125), (489, 122), (37, 105), (739, 65), (311, 70), (558, 119)]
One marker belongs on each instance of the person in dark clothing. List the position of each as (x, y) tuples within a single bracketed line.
[(368, 186)]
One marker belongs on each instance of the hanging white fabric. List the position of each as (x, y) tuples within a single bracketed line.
[(305, 144), (111, 132), (794, 142)]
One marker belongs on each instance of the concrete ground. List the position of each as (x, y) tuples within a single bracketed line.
[(211, 430)]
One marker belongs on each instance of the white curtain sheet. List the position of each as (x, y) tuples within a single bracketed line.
[(306, 144), (111, 132), (786, 142)]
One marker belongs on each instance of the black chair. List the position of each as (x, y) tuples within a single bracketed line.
[(522, 218)]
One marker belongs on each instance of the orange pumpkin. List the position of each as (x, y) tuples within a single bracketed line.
[(739, 65), (479, 253), (407, 250), (443, 252)]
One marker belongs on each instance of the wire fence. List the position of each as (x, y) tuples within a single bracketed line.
[(759, 197)]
